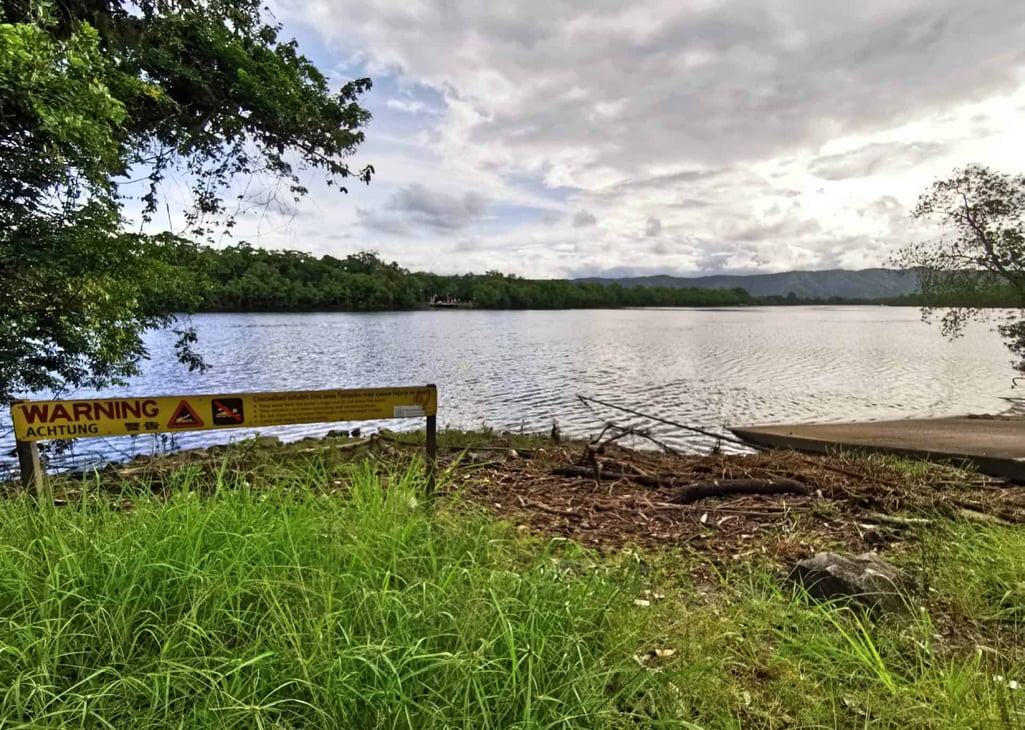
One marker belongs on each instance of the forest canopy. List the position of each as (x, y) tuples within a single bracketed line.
[(246, 279), (97, 93)]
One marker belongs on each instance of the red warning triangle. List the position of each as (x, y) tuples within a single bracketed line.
[(185, 417)]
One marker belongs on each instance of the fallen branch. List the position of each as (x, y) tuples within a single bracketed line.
[(676, 424), (732, 487), (551, 510), (600, 474), (349, 445), (693, 491), (624, 431), (897, 519), (983, 517)]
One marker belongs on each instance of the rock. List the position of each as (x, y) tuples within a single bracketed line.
[(865, 579)]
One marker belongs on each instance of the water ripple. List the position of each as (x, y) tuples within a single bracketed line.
[(523, 370)]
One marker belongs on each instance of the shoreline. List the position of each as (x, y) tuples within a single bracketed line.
[(568, 469), (469, 307)]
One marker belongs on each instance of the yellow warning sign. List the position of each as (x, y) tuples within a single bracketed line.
[(63, 419)]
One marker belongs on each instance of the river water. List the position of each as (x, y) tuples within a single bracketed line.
[(523, 370)]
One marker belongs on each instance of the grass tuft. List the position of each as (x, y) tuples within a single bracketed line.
[(294, 608)]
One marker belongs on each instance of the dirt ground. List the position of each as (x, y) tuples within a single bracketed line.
[(855, 504)]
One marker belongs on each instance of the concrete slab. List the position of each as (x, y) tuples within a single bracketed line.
[(993, 445)]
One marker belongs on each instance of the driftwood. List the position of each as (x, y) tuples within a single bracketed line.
[(732, 487), (608, 475), (985, 517), (675, 424), (350, 445), (619, 432), (692, 491), (897, 520)]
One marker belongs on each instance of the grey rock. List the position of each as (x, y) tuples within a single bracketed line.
[(865, 579)]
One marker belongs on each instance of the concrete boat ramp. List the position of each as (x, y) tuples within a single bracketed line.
[(993, 445)]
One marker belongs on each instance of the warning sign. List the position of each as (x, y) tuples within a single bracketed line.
[(228, 412), (185, 417), (42, 420)]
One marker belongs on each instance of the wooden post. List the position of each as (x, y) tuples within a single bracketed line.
[(32, 476), (432, 453), (30, 465)]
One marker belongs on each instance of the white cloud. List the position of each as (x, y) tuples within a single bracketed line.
[(874, 159), (407, 106), (744, 134)]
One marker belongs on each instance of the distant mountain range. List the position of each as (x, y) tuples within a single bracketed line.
[(864, 284)]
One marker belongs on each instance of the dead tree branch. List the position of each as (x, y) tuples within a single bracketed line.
[(675, 424)]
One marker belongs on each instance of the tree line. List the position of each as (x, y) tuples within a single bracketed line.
[(190, 277), (243, 278)]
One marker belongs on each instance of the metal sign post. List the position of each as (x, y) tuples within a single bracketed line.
[(432, 453)]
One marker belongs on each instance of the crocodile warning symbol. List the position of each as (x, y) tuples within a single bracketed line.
[(228, 412), (185, 417)]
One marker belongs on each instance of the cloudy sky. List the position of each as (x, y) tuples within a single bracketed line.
[(556, 138)]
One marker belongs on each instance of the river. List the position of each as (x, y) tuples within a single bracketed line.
[(523, 370)]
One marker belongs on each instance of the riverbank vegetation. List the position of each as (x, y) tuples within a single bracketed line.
[(243, 278), (312, 586), (981, 213)]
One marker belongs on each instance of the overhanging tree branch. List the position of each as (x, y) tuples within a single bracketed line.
[(980, 253)]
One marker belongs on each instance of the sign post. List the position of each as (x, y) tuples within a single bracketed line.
[(64, 419), (31, 467), (432, 453)]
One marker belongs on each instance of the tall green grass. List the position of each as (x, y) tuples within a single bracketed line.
[(327, 595), (752, 650), (286, 608), (979, 570)]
